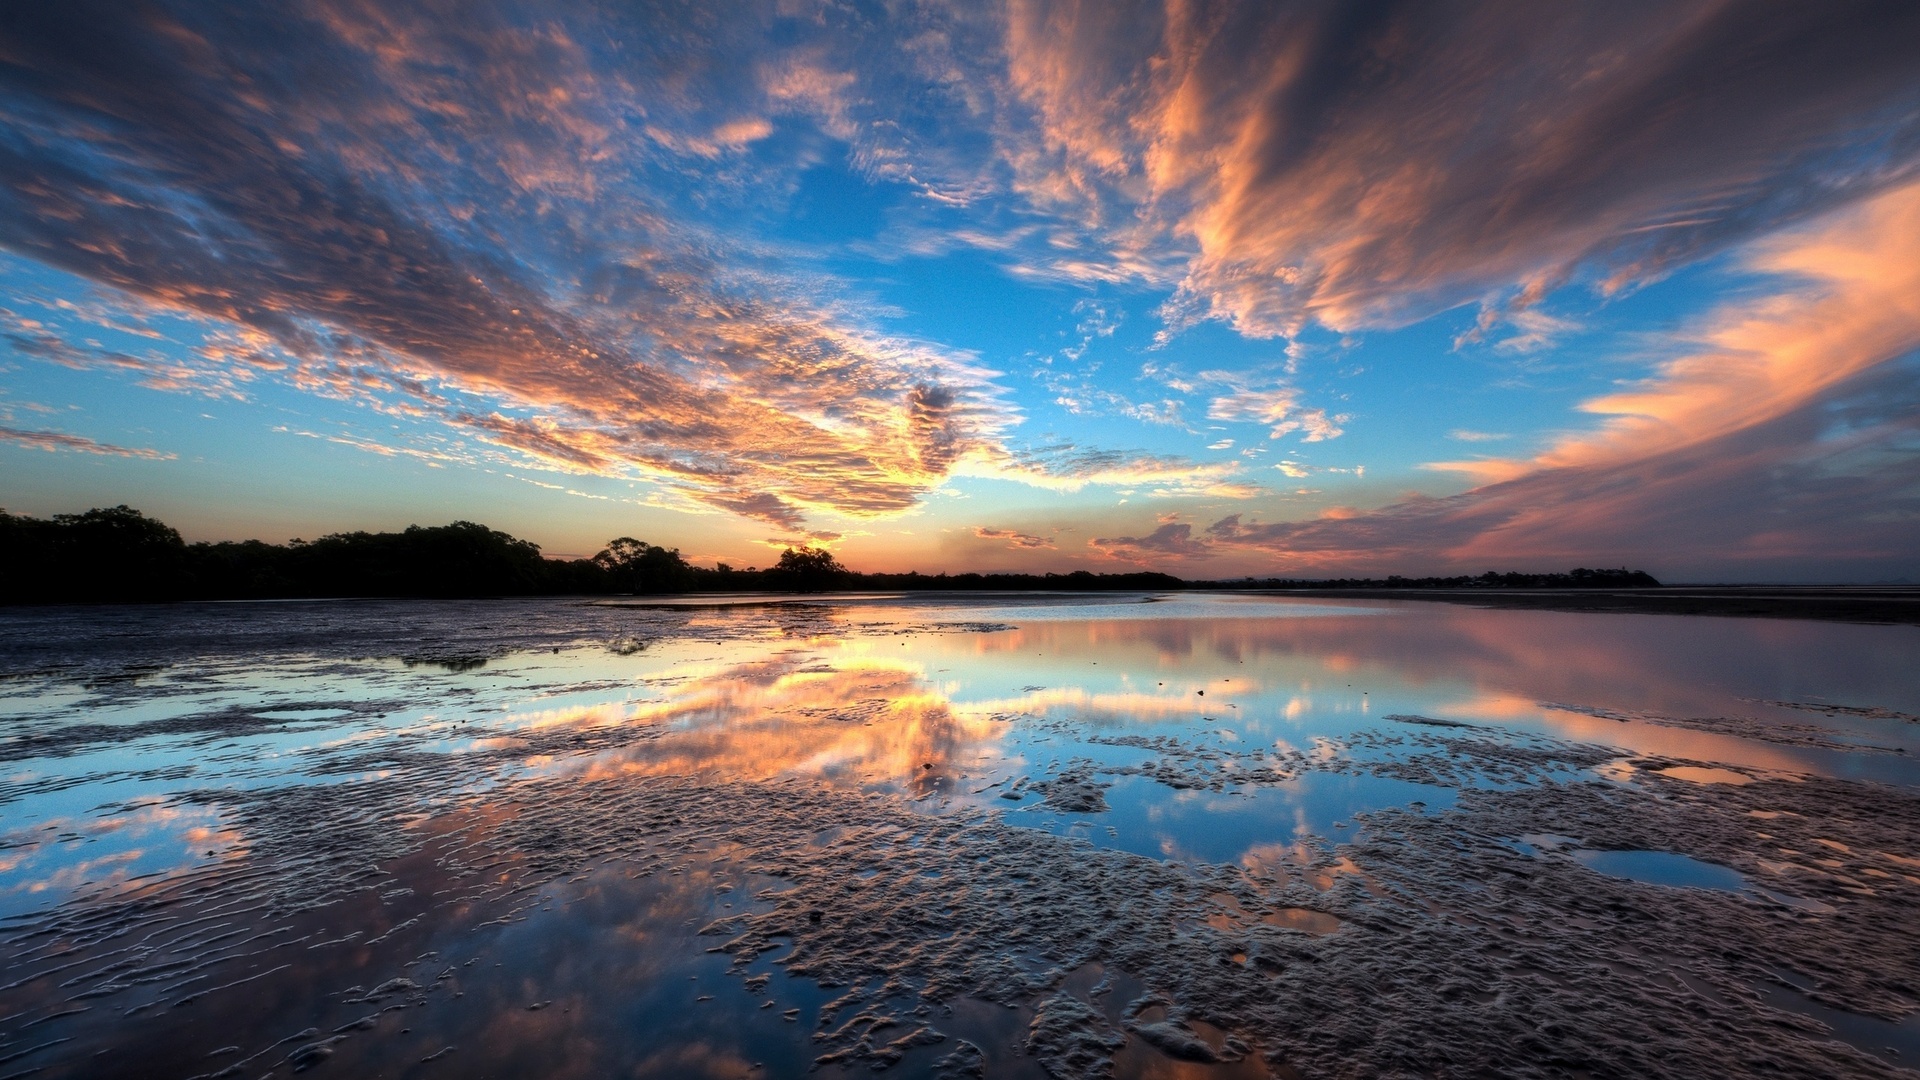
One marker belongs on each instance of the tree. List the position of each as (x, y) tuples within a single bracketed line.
[(639, 567), (808, 569), (116, 553)]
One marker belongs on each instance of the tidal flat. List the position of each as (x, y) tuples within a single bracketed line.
[(1182, 835)]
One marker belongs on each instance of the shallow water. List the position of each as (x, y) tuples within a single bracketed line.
[(1136, 835)]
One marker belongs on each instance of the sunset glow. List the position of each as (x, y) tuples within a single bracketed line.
[(1211, 288)]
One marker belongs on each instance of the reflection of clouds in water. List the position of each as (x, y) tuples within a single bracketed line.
[(1092, 706), (833, 716), (61, 855), (620, 782), (1635, 737)]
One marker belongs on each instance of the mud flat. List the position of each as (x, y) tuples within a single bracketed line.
[(784, 845)]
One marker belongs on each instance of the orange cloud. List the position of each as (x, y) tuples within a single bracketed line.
[(1782, 438), (1313, 162), (1855, 305), (1014, 538)]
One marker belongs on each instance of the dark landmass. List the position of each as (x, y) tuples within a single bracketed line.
[(1573, 579), (119, 555), (1838, 603)]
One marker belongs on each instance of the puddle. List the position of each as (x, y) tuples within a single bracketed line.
[(1698, 774), (1661, 868), (1896, 1042), (1148, 818), (1235, 917), (1664, 868)]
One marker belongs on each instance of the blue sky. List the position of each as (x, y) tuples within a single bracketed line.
[(1216, 289)]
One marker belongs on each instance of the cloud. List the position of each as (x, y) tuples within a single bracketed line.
[(1787, 438), (53, 441), (440, 216), (541, 228), (1172, 539), (1014, 538), (1280, 408), (1852, 303), (1466, 435), (1367, 165), (1068, 467), (1786, 500)]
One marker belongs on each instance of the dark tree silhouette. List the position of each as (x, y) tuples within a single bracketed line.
[(118, 554), (636, 566), (808, 570), (461, 559)]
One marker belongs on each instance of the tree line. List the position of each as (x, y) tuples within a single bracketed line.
[(1581, 578), (118, 554)]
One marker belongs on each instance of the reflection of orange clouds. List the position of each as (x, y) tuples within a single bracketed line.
[(1139, 646), (1640, 738), (77, 874), (796, 714), (1489, 664), (144, 830), (1072, 699)]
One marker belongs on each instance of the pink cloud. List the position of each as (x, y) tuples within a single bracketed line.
[(55, 441), (1171, 540), (1366, 167), (1015, 538), (1783, 439)]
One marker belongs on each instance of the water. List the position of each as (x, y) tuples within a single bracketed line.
[(888, 813), (1662, 868)]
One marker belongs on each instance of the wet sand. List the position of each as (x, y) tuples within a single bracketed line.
[(1156, 837)]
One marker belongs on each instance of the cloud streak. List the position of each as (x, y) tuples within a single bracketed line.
[(1787, 438), (438, 215), (554, 231), (1015, 538), (54, 441), (1368, 164)]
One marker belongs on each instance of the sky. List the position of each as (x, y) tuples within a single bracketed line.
[(1211, 287)]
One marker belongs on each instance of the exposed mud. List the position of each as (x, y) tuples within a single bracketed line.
[(857, 921)]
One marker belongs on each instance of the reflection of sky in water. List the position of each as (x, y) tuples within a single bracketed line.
[(1223, 827), (1662, 868), (872, 694)]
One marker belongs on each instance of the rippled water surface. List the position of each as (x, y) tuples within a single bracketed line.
[(1201, 835)]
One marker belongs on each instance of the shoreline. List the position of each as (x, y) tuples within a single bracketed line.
[(1867, 604), (1876, 604)]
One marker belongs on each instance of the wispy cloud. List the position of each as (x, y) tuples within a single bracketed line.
[(56, 441), (439, 215), (1071, 468), (1279, 409), (1015, 538), (1366, 166), (1789, 438)]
